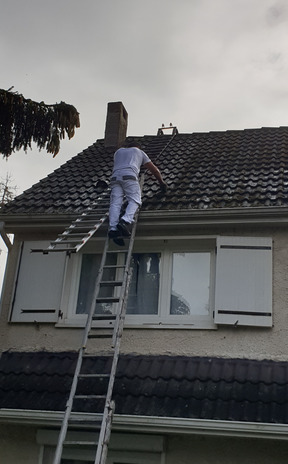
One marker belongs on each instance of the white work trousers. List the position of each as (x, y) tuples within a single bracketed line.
[(121, 187)]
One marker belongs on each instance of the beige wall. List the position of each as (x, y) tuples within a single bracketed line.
[(220, 450), (18, 445), (254, 343)]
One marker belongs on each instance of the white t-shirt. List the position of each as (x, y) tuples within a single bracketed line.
[(129, 159)]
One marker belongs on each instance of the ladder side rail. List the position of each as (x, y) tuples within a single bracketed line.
[(105, 431), (59, 241), (95, 294), (122, 309), (95, 225), (69, 404), (101, 221), (106, 438), (91, 233), (106, 425)]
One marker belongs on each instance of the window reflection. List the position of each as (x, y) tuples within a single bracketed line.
[(89, 272), (190, 283), (144, 288)]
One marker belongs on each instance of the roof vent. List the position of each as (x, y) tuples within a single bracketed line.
[(116, 125), (171, 127)]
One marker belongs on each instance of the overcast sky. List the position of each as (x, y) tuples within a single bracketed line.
[(203, 65)]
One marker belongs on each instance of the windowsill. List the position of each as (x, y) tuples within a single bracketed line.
[(200, 325)]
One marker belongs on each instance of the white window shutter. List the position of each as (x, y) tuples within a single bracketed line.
[(243, 287), (38, 286)]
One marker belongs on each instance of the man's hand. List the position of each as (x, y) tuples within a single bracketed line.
[(163, 187)]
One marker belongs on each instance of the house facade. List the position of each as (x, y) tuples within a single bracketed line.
[(203, 371)]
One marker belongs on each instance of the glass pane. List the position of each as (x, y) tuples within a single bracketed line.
[(144, 288), (88, 276), (190, 284)]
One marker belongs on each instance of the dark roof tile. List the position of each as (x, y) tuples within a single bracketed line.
[(203, 388)]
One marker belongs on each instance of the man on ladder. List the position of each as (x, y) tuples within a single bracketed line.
[(125, 181)]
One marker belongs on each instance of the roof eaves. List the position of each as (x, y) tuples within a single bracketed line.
[(155, 424), (159, 218), (21, 222), (216, 216)]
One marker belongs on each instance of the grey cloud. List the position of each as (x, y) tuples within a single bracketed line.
[(277, 13)]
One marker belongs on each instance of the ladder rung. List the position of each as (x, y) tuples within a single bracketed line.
[(108, 299), (95, 208), (111, 283), (95, 423), (74, 234), (94, 212), (91, 225), (84, 220), (80, 226), (86, 397), (66, 242), (68, 250), (92, 218), (105, 317), (80, 443), (100, 335), (110, 252), (91, 355), (114, 266), (94, 375)]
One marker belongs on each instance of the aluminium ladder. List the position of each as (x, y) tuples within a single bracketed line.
[(120, 287), (71, 241)]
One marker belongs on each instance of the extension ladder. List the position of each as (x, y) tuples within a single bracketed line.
[(70, 241), (120, 287)]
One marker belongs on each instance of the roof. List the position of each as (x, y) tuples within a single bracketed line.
[(164, 386), (232, 169)]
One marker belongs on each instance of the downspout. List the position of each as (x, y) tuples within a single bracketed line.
[(4, 236)]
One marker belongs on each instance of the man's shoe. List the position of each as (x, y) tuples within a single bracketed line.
[(119, 241), (113, 233), (123, 228)]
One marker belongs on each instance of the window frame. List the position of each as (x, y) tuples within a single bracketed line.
[(132, 448), (165, 246)]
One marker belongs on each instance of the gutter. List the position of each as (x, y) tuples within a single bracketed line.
[(144, 424), (160, 218), (4, 236)]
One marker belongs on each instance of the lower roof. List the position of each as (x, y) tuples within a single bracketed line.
[(164, 386)]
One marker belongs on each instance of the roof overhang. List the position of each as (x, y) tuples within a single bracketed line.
[(158, 218), (151, 424)]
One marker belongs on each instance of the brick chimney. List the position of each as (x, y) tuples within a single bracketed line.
[(116, 125)]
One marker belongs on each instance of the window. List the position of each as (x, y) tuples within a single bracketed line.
[(171, 284), (195, 283), (123, 448)]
